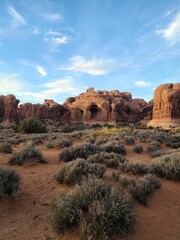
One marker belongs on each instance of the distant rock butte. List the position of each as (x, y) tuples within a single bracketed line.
[(100, 107), (166, 109)]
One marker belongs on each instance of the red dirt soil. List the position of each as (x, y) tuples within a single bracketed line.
[(26, 215)]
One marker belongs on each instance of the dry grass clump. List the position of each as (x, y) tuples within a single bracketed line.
[(26, 153), (6, 147), (96, 208), (76, 170), (9, 181)]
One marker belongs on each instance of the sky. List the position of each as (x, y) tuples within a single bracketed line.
[(58, 48)]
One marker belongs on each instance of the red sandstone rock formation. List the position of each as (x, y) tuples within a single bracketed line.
[(8, 110), (166, 109)]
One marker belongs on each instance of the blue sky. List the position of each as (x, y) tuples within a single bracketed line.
[(59, 48)]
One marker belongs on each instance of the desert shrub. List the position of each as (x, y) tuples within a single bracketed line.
[(68, 208), (79, 151), (114, 147), (125, 181), (77, 207), (9, 181), (6, 147), (175, 145), (156, 153), (31, 125), (138, 149), (76, 170), (61, 143), (167, 166), (130, 140), (134, 167), (110, 159), (142, 189), (25, 153), (108, 216), (152, 148)]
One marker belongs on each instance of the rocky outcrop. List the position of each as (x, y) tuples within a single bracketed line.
[(166, 108), (8, 110), (106, 107), (100, 107)]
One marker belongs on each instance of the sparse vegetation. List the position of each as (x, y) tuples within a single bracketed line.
[(99, 209), (76, 170), (138, 149), (27, 152), (6, 147), (142, 189), (9, 181)]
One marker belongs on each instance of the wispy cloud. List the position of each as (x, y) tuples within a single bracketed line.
[(93, 66), (172, 32), (17, 18), (41, 71), (142, 84), (10, 83), (37, 67), (54, 17)]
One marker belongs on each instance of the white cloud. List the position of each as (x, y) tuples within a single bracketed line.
[(41, 71), (18, 19), (59, 40), (172, 32), (3, 62), (54, 17), (10, 83), (93, 66), (142, 84)]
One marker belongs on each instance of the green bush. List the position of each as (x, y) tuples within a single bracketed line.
[(25, 153), (79, 151), (142, 189), (97, 208), (138, 149), (76, 170), (31, 125), (6, 148), (9, 181)]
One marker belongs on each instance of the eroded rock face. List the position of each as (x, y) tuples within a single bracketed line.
[(8, 109), (106, 107), (166, 109)]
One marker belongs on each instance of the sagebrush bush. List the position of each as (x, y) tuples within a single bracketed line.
[(109, 216), (142, 189), (9, 181), (156, 153), (6, 147), (110, 159), (79, 151), (89, 203), (130, 140), (25, 153), (76, 170), (167, 166), (138, 149), (134, 167), (31, 125), (114, 147)]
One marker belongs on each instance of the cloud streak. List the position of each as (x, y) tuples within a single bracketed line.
[(93, 66), (142, 84), (41, 70), (18, 19)]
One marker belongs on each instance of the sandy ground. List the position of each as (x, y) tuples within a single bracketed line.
[(26, 215)]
